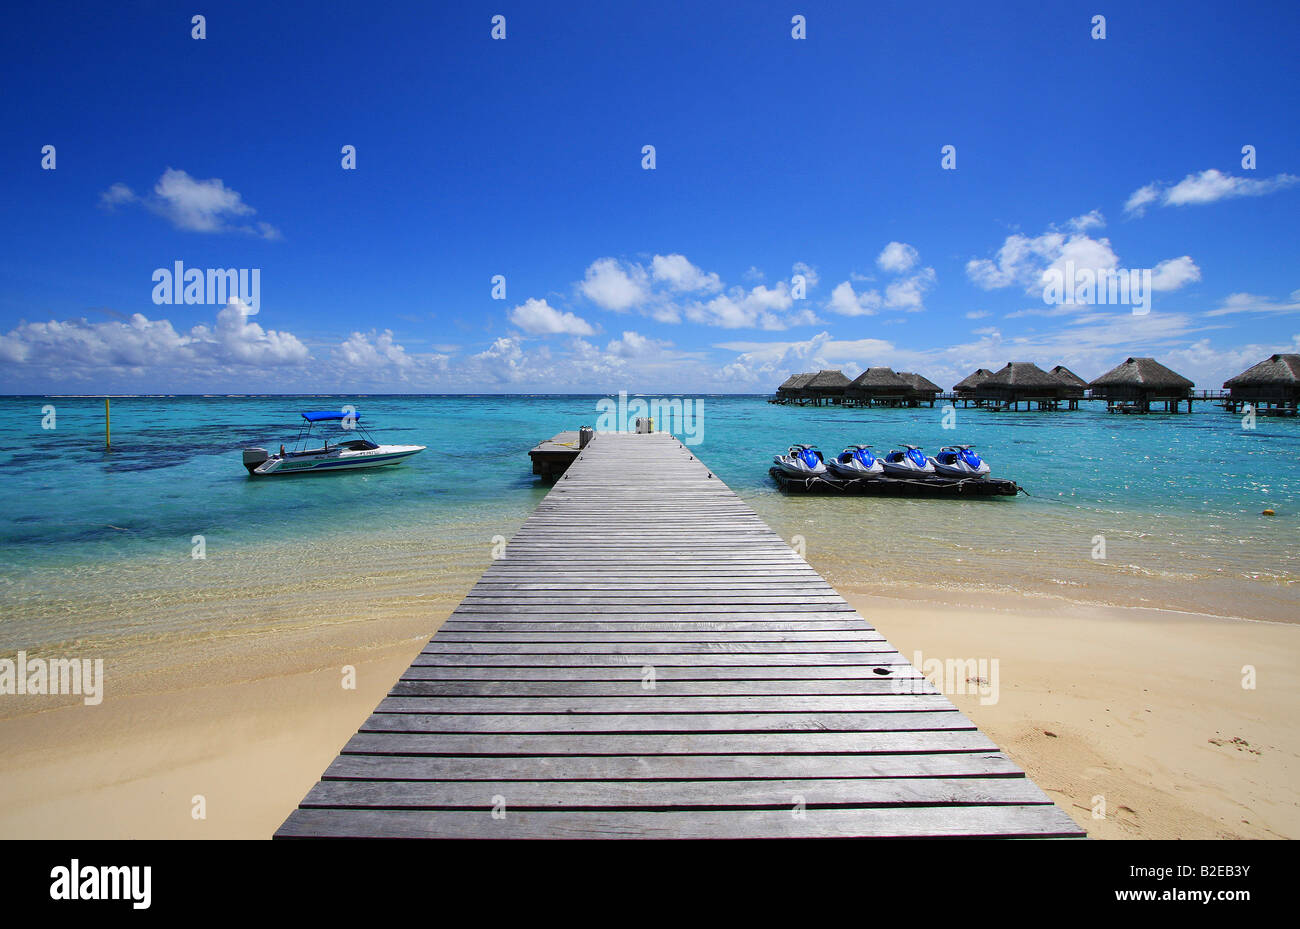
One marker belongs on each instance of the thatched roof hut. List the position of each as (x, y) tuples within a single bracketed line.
[(825, 385), (922, 387), (879, 385), (1068, 376), (1022, 380), (1276, 374), (793, 384), (1076, 384), (966, 386), (1139, 382), (1138, 375)]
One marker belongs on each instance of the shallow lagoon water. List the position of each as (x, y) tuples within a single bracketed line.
[(97, 546)]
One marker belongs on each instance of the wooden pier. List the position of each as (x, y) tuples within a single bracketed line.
[(650, 660)]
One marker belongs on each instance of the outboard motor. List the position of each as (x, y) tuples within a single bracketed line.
[(254, 457)]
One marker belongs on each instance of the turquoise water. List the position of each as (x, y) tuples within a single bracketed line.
[(99, 545)]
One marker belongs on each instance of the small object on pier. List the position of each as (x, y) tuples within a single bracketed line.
[(584, 436)]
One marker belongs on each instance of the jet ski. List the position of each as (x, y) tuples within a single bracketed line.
[(909, 463), (802, 461), (959, 461), (854, 462)]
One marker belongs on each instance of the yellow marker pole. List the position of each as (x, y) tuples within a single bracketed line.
[(108, 445)]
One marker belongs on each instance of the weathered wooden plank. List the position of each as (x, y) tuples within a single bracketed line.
[(669, 767), (894, 664), (434, 686), (677, 743), (643, 660), (437, 647), (404, 694), (393, 717), (1041, 820), (459, 625), (785, 795)]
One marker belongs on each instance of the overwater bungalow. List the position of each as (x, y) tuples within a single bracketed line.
[(1022, 382), (965, 388), (878, 387), (1077, 385), (1271, 388), (923, 390), (1132, 387), (824, 387), (788, 392)]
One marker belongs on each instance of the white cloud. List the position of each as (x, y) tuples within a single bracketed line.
[(760, 307), (197, 206), (537, 317), (977, 314), (635, 345), (682, 276), (846, 302), (117, 194), (78, 349), (897, 258), (1250, 303), (1208, 186), (376, 349), (1027, 261), (1141, 198), (1174, 273), (611, 286), (1090, 220), (909, 293), (810, 275)]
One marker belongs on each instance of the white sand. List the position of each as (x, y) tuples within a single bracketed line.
[(1142, 706)]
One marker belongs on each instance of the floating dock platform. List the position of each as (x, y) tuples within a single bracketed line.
[(552, 457), (898, 486), (650, 660)]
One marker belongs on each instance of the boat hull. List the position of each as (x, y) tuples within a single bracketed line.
[(335, 460), (855, 470), (906, 469), (959, 470), (798, 468)]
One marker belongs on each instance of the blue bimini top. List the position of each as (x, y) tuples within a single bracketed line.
[(326, 415)]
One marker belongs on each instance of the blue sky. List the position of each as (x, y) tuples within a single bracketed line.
[(523, 157)]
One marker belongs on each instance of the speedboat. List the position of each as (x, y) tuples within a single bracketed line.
[(354, 449), (909, 463), (802, 461), (856, 461), (959, 461)]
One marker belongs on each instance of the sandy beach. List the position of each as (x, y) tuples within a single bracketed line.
[(1141, 707), (1144, 708)]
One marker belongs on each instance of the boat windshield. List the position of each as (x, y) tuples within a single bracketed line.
[(325, 431)]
